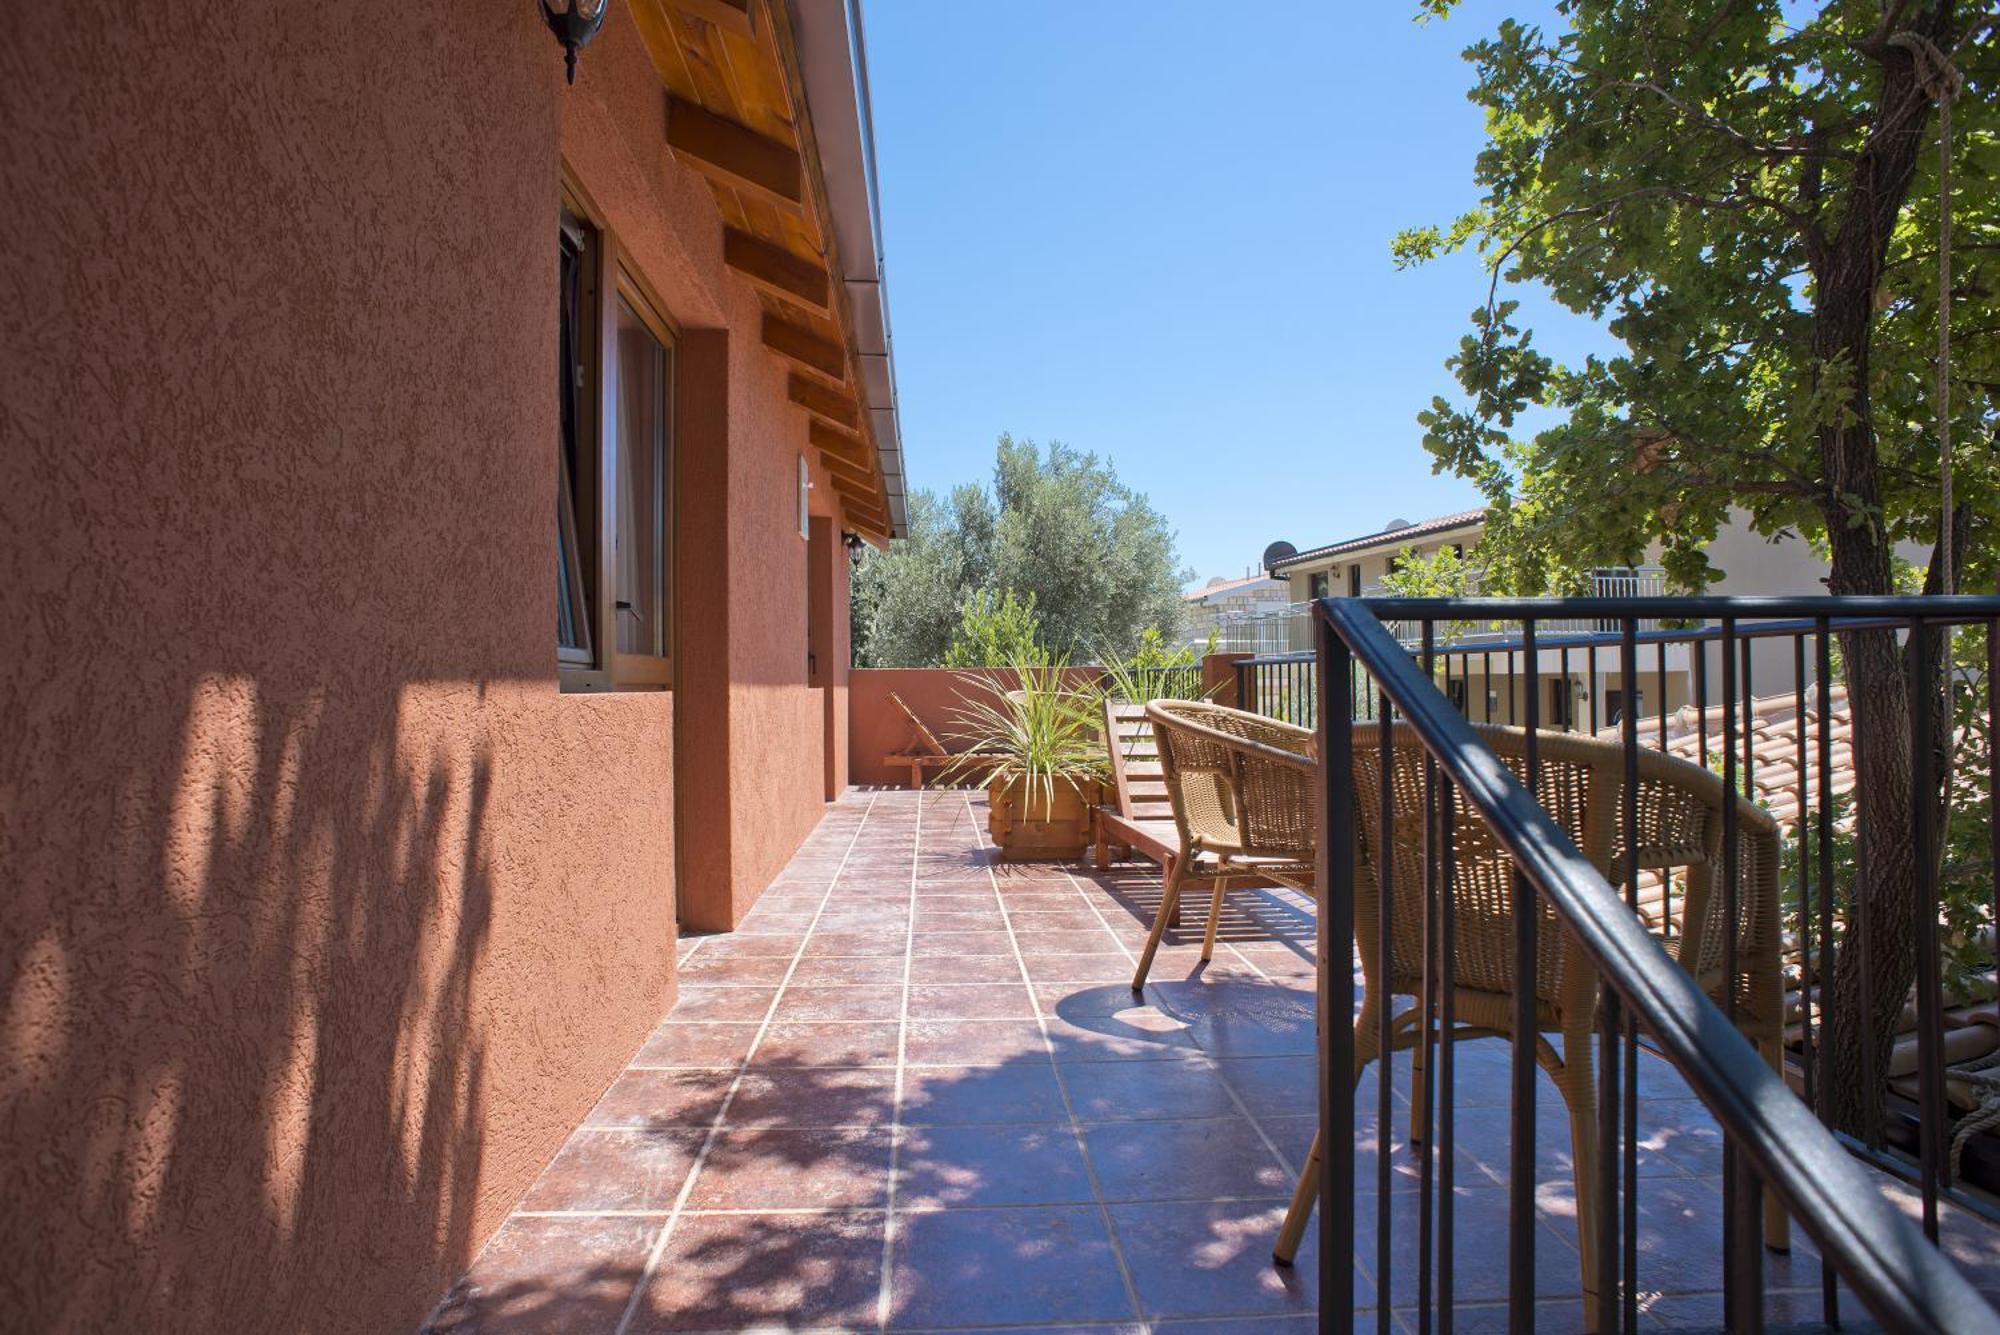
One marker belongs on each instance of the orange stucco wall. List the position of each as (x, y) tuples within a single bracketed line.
[(326, 915)]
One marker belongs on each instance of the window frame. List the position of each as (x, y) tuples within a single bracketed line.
[(612, 280)]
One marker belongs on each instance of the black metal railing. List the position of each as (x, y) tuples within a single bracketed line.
[(1695, 691)]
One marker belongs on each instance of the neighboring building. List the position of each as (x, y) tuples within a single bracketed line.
[(424, 561), (1581, 687), (1221, 601), (1355, 566)]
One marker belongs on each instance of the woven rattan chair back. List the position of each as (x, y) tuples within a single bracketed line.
[(1239, 783)]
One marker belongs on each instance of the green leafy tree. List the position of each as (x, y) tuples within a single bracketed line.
[(1745, 194), (1056, 525), (996, 631)]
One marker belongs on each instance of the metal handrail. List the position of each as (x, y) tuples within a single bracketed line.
[(1882, 1256)]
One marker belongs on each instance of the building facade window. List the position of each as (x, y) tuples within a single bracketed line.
[(1354, 580), (1320, 584), (614, 496)]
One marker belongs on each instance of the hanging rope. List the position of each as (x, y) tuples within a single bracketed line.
[(1941, 82)]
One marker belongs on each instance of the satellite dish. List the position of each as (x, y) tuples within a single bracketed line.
[(1395, 524), (1278, 551), (1215, 582)]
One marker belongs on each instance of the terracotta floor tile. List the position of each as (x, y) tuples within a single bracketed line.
[(817, 1097), (965, 969), (830, 1043), (718, 1043), (1022, 1092), (615, 1170), (735, 1272), (1030, 922), (824, 943), (963, 943), (1074, 1001), (972, 1042), (1125, 1091), (1101, 967), (721, 1003), (550, 1277), (1080, 941), (959, 920), (790, 1168), (1273, 1086), (763, 970), (738, 947), (991, 1165), (1184, 1161), (813, 972), (1214, 1258), (877, 1002), (1138, 1033), (1005, 1267), (973, 1001), (662, 1100)]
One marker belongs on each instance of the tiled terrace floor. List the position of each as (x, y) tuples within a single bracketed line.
[(914, 1091)]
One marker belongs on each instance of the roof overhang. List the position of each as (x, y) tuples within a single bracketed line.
[(768, 101)]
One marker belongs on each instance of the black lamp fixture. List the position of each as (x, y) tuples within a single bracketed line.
[(854, 547), (574, 25)]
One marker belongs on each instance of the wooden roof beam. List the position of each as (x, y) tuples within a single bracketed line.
[(845, 444), (739, 155), (833, 405), (736, 15), (805, 347), (840, 469), (778, 271), (864, 513)]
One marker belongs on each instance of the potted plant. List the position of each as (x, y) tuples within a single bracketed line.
[(1035, 735)]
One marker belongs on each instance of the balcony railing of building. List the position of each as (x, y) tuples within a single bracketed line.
[(1287, 629), (1757, 918)]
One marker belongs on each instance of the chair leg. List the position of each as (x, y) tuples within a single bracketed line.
[(1170, 900), (1294, 1230), (1214, 917), (1579, 1094)]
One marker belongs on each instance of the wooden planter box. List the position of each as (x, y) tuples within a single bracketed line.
[(1026, 829)]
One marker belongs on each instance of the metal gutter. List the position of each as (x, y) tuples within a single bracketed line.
[(833, 60)]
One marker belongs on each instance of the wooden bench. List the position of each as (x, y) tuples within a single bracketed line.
[(1140, 819), (924, 751)]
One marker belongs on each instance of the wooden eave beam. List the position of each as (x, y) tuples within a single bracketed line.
[(863, 513), (842, 467), (821, 401), (832, 440), (716, 146), (776, 270), (736, 15), (805, 347)]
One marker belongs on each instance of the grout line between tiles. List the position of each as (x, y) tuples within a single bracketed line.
[(659, 1246), (883, 1296), (1062, 1088)]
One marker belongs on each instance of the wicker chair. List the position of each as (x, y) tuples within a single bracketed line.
[(1581, 785), (1241, 788)]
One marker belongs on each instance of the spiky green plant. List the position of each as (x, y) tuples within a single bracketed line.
[(1040, 731)]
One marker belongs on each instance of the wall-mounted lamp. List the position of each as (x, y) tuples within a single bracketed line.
[(574, 25), (854, 547)]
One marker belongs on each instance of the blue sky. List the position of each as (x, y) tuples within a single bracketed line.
[(1161, 232)]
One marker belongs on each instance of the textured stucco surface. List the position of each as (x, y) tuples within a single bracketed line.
[(326, 915)]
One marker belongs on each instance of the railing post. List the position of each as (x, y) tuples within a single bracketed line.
[(1334, 975)]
